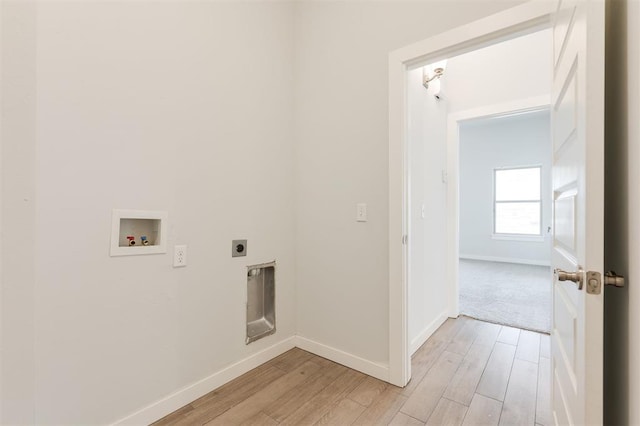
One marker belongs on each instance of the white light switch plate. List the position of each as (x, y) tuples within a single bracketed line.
[(361, 212)]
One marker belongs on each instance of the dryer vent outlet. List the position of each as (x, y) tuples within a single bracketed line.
[(261, 301)]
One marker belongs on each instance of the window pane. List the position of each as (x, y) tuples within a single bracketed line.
[(518, 184), (518, 218)]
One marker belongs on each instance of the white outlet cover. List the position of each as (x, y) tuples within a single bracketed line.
[(179, 256)]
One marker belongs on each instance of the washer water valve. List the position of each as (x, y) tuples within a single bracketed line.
[(132, 240), (144, 240)]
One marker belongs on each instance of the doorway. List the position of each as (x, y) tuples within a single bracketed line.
[(577, 96), (480, 115), (526, 19), (505, 220)]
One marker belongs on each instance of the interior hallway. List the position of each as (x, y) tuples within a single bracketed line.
[(468, 373)]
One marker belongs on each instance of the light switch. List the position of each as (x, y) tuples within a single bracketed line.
[(361, 212)]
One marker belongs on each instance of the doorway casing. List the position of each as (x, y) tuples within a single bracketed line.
[(538, 103), (511, 23)]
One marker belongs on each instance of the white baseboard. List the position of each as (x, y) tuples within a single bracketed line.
[(171, 403), (379, 371), (506, 260), (427, 332), (179, 399)]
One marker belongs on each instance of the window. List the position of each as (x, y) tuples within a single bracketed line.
[(517, 205)]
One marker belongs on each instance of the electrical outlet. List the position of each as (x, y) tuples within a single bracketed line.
[(238, 248), (179, 256)]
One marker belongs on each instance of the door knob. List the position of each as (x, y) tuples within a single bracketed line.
[(576, 277), (611, 278)]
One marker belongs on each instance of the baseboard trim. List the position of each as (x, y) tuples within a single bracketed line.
[(506, 260), (379, 371), (419, 340), (184, 396)]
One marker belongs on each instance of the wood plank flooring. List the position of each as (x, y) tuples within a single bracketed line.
[(468, 373)]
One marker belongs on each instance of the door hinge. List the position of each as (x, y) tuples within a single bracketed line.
[(594, 281), (405, 239)]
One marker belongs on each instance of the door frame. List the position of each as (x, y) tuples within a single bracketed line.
[(520, 20), (533, 104)]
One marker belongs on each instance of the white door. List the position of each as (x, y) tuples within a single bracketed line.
[(578, 188)]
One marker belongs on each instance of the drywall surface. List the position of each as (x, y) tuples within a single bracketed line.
[(18, 124), (1, 212), (489, 144), (184, 107), (516, 70), (188, 107), (341, 132), (427, 215)]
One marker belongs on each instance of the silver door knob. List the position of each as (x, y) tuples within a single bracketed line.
[(576, 277), (611, 278)]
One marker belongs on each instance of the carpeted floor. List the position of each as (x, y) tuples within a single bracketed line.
[(506, 293)]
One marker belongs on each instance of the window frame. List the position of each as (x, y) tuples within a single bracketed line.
[(516, 236)]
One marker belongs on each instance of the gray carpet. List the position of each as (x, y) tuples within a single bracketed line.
[(506, 293)]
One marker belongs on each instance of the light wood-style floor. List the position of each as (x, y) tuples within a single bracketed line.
[(468, 373)]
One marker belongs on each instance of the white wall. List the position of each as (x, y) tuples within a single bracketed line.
[(18, 115), (487, 144), (179, 106), (1, 257), (341, 117), (427, 235), (206, 110), (515, 70)]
